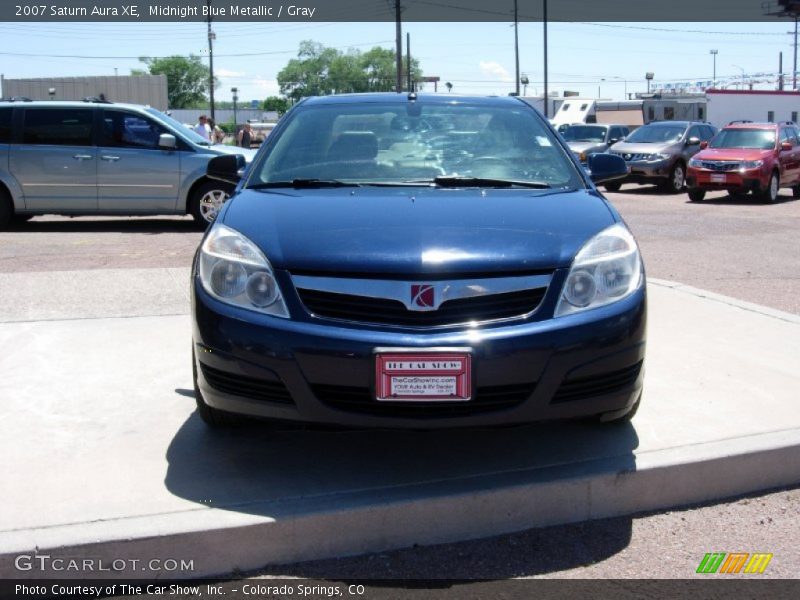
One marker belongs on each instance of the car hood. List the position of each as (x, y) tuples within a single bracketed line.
[(586, 146), (223, 149), (633, 148), (418, 231), (732, 154)]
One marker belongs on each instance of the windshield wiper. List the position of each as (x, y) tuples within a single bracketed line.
[(457, 181), (303, 183)]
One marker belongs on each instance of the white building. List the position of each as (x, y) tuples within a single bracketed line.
[(725, 106)]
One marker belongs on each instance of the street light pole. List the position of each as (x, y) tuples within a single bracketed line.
[(714, 78), (210, 62), (235, 98), (546, 94), (516, 47)]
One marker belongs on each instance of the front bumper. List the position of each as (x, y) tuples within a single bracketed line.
[(318, 371), (747, 180), (648, 171)]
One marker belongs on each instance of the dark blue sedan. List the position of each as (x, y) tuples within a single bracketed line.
[(397, 260)]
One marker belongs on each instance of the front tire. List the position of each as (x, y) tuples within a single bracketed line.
[(677, 179), (207, 200), (697, 195), (770, 195), (796, 192), (6, 209), (613, 186)]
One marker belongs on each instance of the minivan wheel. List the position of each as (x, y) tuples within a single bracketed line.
[(771, 193), (207, 201), (6, 211), (613, 186), (697, 195), (677, 179)]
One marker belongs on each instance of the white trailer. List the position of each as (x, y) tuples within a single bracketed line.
[(771, 106)]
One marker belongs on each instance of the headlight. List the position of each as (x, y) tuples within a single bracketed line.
[(750, 164), (608, 268), (695, 164), (658, 157), (233, 270)]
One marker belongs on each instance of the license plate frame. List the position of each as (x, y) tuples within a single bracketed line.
[(718, 178), (423, 375)]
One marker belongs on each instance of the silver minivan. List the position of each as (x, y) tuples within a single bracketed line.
[(100, 158)]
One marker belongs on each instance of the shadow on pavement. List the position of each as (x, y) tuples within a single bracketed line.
[(268, 470), (148, 225)]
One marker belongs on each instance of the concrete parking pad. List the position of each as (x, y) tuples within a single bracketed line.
[(105, 457)]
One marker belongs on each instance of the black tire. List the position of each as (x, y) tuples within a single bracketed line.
[(613, 186), (213, 417), (677, 179), (796, 192), (207, 198), (697, 195), (6, 209), (770, 194)]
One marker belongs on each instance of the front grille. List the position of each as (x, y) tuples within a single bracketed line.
[(596, 385), (249, 387), (720, 165), (360, 400), (393, 312), (632, 155)]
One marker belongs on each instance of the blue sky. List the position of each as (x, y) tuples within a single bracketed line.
[(478, 58)]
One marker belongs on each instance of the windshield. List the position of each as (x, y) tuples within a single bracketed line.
[(585, 133), (656, 134), (185, 131), (414, 143), (762, 139)]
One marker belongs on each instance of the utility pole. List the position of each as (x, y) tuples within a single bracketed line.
[(714, 54), (780, 71), (210, 62), (794, 68), (399, 47), (546, 94), (408, 62), (516, 46)]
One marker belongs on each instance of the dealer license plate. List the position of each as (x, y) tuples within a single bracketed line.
[(423, 376), (719, 178)]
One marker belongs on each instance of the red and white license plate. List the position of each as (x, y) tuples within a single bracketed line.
[(423, 376), (718, 178)]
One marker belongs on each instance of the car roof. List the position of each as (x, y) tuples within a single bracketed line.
[(750, 125), (405, 98), (678, 123), (70, 104)]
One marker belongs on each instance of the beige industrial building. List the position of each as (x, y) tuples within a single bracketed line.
[(150, 90)]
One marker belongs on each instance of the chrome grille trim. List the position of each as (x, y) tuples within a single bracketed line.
[(400, 290)]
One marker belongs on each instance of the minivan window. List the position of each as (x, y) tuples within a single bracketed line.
[(5, 125), (58, 126), (185, 131), (129, 130)]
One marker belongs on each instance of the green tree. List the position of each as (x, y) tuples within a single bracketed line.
[(321, 71), (187, 79), (276, 104)]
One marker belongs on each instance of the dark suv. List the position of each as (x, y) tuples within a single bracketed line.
[(744, 157), (659, 152)]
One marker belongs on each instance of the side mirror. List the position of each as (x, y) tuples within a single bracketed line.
[(703, 145), (167, 141), (786, 146), (228, 168), (613, 141), (606, 167), (693, 141)]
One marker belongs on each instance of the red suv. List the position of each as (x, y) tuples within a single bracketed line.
[(746, 156)]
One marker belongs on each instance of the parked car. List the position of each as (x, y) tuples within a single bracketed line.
[(748, 157), (659, 152), (375, 270), (585, 140), (99, 158)]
